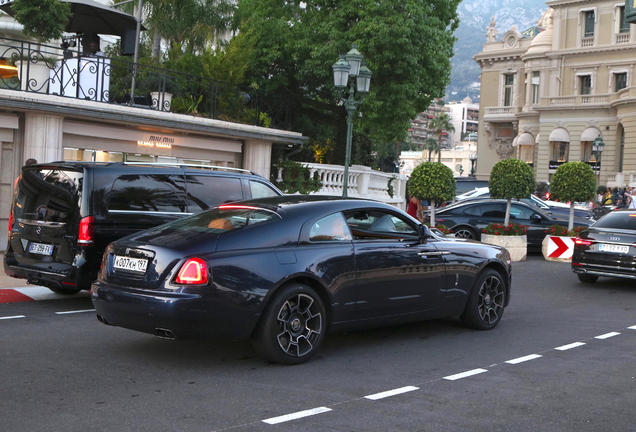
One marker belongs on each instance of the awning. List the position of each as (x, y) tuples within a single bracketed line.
[(525, 138), (559, 135), (536, 141), (590, 134)]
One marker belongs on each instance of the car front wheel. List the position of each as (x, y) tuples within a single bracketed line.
[(292, 327), (586, 278), (486, 301), (466, 233)]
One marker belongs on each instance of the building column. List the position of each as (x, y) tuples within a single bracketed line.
[(43, 137), (257, 157)]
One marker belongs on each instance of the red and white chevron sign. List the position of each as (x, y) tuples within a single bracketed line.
[(560, 247)]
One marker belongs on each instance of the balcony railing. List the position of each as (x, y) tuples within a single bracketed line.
[(109, 80), (599, 99)]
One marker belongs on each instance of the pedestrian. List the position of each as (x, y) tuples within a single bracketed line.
[(631, 200), (29, 161)]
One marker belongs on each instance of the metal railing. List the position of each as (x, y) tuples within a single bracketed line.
[(63, 72)]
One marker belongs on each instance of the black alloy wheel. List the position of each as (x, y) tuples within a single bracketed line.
[(292, 327), (486, 302), (465, 232)]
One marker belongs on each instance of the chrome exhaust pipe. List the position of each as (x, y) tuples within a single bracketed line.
[(101, 319), (165, 334)]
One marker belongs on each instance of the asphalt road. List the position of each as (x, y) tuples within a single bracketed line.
[(562, 359)]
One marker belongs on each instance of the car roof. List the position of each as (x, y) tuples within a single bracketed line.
[(301, 204)]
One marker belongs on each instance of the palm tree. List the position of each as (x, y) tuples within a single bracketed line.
[(440, 123), (431, 145)]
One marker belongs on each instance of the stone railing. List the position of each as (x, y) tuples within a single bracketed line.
[(364, 182), (599, 99)]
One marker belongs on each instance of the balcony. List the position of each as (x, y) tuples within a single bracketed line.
[(51, 70), (501, 114), (577, 100)]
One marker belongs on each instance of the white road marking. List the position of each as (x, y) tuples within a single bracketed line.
[(524, 359), (12, 317), (632, 328), (465, 374), (607, 335), (72, 312), (393, 392), (297, 415), (570, 346)]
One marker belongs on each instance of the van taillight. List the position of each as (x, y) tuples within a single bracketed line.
[(10, 223), (194, 271), (85, 234)]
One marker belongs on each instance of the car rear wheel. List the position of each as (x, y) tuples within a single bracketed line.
[(486, 302), (65, 290), (586, 278), (292, 327), (465, 232)]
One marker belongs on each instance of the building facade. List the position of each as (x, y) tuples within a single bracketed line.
[(546, 96), (465, 118)]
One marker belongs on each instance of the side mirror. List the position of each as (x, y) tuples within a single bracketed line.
[(423, 232), (536, 218)]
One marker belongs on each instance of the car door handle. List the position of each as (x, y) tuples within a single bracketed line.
[(432, 254)]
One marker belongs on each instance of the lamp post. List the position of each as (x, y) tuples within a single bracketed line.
[(598, 145), (473, 159), (350, 65)]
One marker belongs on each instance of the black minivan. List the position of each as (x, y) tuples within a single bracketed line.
[(64, 214)]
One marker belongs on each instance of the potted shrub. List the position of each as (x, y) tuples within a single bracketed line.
[(573, 182), (512, 236), (434, 182), (558, 243), (43, 20), (511, 179)]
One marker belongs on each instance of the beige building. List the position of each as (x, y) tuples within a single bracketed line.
[(545, 99)]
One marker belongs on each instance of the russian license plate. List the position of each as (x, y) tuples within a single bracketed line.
[(613, 248), (130, 264), (40, 248)]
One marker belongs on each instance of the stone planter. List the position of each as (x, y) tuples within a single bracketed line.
[(516, 245), (34, 76), (557, 248), (161, 101)]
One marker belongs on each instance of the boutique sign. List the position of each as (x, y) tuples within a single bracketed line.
[(156, 144)]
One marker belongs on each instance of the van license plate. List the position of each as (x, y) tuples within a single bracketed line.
[(130, 264), (41, 249)]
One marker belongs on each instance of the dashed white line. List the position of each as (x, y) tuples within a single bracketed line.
[(570, 346), (296, 415), (465, 374), (73, 312), (12, 317), (607, 335), (632, 327), (393, 392), (523, 359)]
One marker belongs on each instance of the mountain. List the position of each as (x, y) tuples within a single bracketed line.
[(474, 18)]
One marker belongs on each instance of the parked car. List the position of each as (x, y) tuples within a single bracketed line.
[(467, 219), (283, 271), (65, 213), (607, 248)]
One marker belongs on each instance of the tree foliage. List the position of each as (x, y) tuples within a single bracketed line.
[(432, 181), (440, 123), (511, 179), (42, 19), (406, 43), (573, 181)]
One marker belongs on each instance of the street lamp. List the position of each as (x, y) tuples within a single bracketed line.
[(350, 65), (597, 149), (473, 159)]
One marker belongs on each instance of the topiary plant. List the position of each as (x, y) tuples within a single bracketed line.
[(573, 181), (432, 181), (511, 179)]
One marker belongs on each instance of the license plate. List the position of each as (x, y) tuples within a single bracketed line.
[(130, 264), (613, 248), (42, 249)]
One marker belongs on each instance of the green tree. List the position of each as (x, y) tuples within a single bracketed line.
[(432, 181), (407, 45), (431, 145), (440, 123), (573, 181), (42, 19), (511, 179)]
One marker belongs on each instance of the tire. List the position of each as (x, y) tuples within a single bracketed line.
[(586, 278), (486, 301), (65, 290), (465, 232), (292, 327)]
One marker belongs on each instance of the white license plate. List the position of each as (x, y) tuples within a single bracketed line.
[(42, 249), (130, 264), (613, 248)]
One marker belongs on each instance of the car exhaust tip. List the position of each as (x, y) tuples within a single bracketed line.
[(101, 319), (165, 334)]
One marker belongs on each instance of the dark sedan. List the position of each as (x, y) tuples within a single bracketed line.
[(468, 219), (607, 248), (283, 271)]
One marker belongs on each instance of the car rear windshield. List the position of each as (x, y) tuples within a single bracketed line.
[(617, 220), (48, 194)]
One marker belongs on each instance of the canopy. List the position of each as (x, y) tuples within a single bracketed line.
[(590, 134), (559, 135), (89, 16), (525, 138)]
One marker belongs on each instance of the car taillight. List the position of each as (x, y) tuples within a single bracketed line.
[(194, 271), (85, 234), (10, 223), (580, 241)]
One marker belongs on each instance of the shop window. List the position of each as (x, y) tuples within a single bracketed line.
[(559, 151), (586, 152), (526, 153)]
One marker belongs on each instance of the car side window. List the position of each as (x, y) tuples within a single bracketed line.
[(148, 193), (520, 212), (330, 228), (210, 191), (261, 190), (379, 225)]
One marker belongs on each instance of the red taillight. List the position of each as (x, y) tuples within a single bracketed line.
[(10, 223), (194, 271), (85, 234), (580, 241)]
